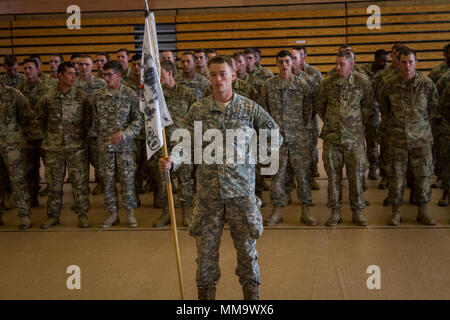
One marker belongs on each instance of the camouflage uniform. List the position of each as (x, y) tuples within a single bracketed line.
[(178, 100), (204, 74), (226, 190), (197, 84), (114, 111), (262, 73), (444, 111), (34, 139), (344, 107), (89, 88), (408, 109), (254, 81), (12, 82), (15, 116), (65, 119), (289, 104), (47, 79), (126, 76)]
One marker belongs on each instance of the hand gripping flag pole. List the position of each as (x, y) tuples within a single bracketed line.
[(156, 116)]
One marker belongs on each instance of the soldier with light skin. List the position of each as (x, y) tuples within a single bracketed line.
[(167, 55), (200, 62), (75, 59), (251, 60), (188, 65), (55, 61), (100, 60), (123, 59), (85, 65)]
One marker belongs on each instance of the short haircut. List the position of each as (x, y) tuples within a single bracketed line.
[(405, 51), (136, 57), (124, 50), (59, 55), (397, 46), (380, 52), (169, 66), (344, 46), (64, 66), (258, 52), (348, 54), (200, 51), (284, 53), (189, 53), (10, 60), (113, 64), (299, 48), (35, 56), (250, 51), (33, 61), (103, 54), (220, 59), (446, 48), (86, 56), (238, 54), (210, 50), (74, 56)]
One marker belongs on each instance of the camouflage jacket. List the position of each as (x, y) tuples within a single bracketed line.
[(205, 74), (197, 84), (311, 75), (262, 73), (15, 116), (240, 87), (136, 86), (408, 109), (114, 112), (442, 82), (33, 92), (178, 100), (64, 119), (12, 82), (289, 106), (47, 79), (225, 180), (438, 71), (89, 88), (356, 67), (444, 108), (344, 107), (126, 76), (254, 82)]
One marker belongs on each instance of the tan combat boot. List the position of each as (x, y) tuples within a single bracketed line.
[(335, 218), (275, 218), (50, 222), (207, 293), (131, 220), (186, 214), (424, 216), (26, 223), (307, 217), (359, 219), (83, 221), (113, 219), (395, 218), (251, 290), (164, 218)]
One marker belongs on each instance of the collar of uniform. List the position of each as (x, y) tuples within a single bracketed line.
[(61, 95), (414, 82), (118, 92), (213, 106), (279, 82)]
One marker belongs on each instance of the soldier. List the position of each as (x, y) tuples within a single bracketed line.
[(356, 67), (343, 103), (118, 121), (200, 63), (408, 101), (178, 99), (444, 111), (260, 71), (313, 77), (33, 89), (45, 77), (75, 60), (252, 69), (372, 69), (140, 151), (89, 84), (167, 55), (11, 77), (55, 61), (123, 58), (241, 72), (225, 190), (286, 97), (435, 74), (15, 116), (210, 53), (65, 116), (100, 59), (189, 78)]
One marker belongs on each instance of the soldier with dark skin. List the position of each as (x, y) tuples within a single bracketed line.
[(225, 190), (408, 101), (344, 100)]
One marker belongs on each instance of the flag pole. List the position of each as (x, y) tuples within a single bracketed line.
[(170, 200)]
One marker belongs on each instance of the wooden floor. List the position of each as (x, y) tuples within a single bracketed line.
[(297, 262)]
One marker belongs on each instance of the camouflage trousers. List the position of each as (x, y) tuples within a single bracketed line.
[(244, 217), (373, 156), (33, 154), (298, 157), (124, 164), (314, 136), (353, 156), (444, 153), (436, 128), (76, 162), (419, 162), (5, 184), (14, 160), (141, 158), (93, 157), (183, 175)]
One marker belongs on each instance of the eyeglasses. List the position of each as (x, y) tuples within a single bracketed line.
[(109, 74)]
